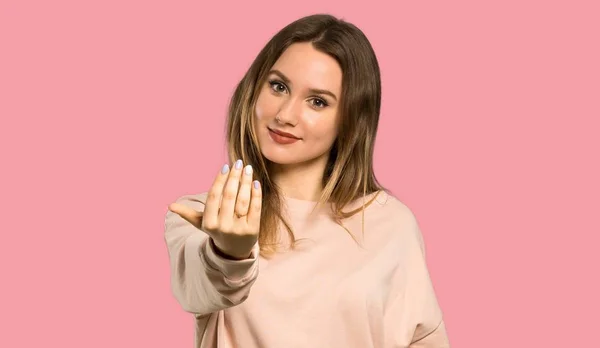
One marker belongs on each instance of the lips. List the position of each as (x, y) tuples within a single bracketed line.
[(282, 138), (283, 134)]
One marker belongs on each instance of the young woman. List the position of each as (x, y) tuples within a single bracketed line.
[(297, 244)]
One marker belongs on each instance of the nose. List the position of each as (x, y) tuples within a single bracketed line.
[(289, 112)]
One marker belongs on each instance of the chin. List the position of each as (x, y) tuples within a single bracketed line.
[(290, 154), (277, 153), (280, 156)]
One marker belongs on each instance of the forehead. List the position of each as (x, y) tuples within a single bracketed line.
[(307, 67)]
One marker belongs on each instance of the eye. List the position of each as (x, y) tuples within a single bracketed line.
[(319, 103), (277, 86)]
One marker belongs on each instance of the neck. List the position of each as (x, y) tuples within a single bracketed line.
[(300, 181)]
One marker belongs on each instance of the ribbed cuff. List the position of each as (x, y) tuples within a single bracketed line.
[(235, 270)]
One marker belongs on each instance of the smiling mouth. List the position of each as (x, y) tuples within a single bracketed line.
[(281, 137), (283, 134)]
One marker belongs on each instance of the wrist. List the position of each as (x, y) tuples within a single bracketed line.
[(228, 255)]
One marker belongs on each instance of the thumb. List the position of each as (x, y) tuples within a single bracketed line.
[(190, 215)]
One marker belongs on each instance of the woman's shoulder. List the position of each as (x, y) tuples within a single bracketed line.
[(387, 203), (395, 217)]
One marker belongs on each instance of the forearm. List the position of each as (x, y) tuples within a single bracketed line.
[(202, 280)]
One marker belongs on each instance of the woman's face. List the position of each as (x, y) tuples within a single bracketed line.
[(300, 98)]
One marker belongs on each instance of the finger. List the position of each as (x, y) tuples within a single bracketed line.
[(190, 215), (211, 209), (243, 199), (230, 194), (255, 206)]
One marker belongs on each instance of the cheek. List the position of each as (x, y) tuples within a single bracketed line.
[(323, 128), (265, 108), (259, 110)]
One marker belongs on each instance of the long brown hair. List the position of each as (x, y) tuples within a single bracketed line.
[(350, 167)]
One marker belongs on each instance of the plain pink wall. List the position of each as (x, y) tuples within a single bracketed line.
[(112, 109)]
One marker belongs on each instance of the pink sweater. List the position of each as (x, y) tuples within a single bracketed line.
[(330, 292)]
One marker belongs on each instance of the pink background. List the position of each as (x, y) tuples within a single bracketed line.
[(112, 109)]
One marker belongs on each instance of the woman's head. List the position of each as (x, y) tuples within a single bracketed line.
[(318, 79), (301, 96)]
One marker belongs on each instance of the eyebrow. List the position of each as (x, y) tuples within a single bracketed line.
[(312, 90)]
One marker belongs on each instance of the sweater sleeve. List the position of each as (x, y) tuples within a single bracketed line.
[(203, 282), (430, 329), (437, 338), (414, 318)]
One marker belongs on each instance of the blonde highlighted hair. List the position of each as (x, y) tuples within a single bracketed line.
[(349, 173)]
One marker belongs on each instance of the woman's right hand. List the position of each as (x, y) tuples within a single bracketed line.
[(232, 212)]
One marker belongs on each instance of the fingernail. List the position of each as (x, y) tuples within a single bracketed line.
[(256, 184), (238, 164), (225, 169), (248, 170)]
